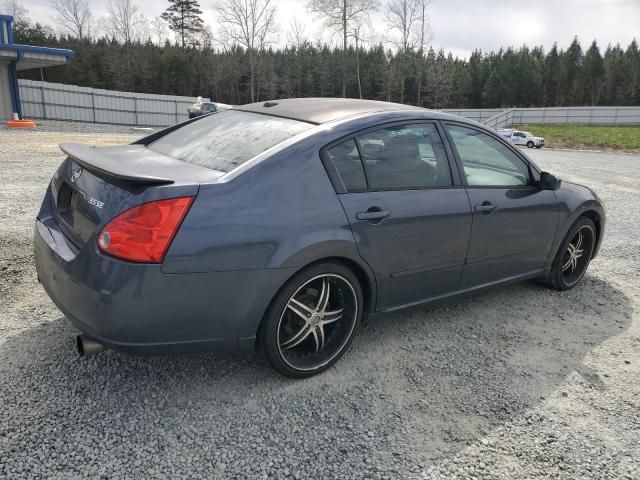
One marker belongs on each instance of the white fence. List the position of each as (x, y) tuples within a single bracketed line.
[(478, 114), (553, 115), (55, 101)]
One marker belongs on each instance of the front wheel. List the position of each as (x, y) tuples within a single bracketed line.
[(574, 256), (530, 144), (312, 320)]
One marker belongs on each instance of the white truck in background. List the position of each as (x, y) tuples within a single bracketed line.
[(519, 137)]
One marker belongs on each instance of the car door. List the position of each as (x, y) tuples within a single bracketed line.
[(410, 217), (514, 221)]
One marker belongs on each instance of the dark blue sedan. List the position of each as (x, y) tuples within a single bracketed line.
[(280, 225)]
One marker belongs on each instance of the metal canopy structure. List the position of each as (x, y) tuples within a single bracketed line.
[(14, 58)]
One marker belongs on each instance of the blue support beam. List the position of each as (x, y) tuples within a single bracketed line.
[(15, 90), (24, 56)]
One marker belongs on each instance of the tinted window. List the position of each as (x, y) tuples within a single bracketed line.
[(486, 161), (227, 139), (346, 159), (405, 156)]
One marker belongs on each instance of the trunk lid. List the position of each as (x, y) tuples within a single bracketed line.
[(94, 185)]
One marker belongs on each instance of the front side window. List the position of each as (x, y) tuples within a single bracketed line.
[(405, 157), (228, 139), (486, 161)]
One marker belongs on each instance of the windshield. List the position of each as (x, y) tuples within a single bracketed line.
[(224, 141)]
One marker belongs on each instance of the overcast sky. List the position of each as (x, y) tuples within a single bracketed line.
[(461, 26)]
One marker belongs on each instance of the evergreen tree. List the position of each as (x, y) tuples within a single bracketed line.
[(570, 64), (632, 65), (459, 84), (615, 81), (592, 74), (550, 77), (477, 78), (492, 92), (183, 17)]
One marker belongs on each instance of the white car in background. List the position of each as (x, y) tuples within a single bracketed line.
[(203, 108), (519, 137)]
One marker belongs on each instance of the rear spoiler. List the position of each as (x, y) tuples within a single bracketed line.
[(105, 164)]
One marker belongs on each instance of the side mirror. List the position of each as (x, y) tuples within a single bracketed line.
[(549, 182)]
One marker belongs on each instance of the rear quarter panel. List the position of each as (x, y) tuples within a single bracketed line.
[(281, 213)]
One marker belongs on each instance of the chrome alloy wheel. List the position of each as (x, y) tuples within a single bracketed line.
[(317, 322), (577, 255)]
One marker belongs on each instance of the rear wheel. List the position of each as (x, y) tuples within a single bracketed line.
[(312, 320), (574, 256)]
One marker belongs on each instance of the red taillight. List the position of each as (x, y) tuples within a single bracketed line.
[(144, 233)]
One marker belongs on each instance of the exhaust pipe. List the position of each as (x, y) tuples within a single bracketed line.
[(87, 347)]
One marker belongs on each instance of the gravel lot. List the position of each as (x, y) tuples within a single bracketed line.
[(517, 383)]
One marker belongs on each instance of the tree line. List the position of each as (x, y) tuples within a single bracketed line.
[(240, 63)]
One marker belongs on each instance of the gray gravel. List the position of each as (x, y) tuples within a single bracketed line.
[(517, 383)]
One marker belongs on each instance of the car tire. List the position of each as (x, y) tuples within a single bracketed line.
[(530, 144), (312, 320), (574, 256)]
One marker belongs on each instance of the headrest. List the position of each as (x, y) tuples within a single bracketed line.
[(402, 147)]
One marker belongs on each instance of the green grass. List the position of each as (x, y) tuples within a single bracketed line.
[(587, 136)]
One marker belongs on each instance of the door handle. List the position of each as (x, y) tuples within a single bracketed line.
[(372, 215), (486, 208)]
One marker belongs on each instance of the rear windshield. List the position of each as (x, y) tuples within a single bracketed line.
[(225, 140)]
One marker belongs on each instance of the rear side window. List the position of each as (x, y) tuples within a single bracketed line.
[(228, 139), (405, 157), (346, 159)]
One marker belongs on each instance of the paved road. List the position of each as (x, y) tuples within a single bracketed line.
[(516, 383)]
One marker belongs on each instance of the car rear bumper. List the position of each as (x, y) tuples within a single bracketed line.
[(137, 307)]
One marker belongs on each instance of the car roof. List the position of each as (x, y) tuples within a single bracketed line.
[(323, 110)]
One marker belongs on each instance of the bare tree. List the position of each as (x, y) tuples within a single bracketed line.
[(18, 11), (297, 34), (409, 22), (360, 37), (159, 31), (142, 30), (204, 38), (124, 20), (73, 16), (342, 16), (249, 23), (402, 19), (424, 38)]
